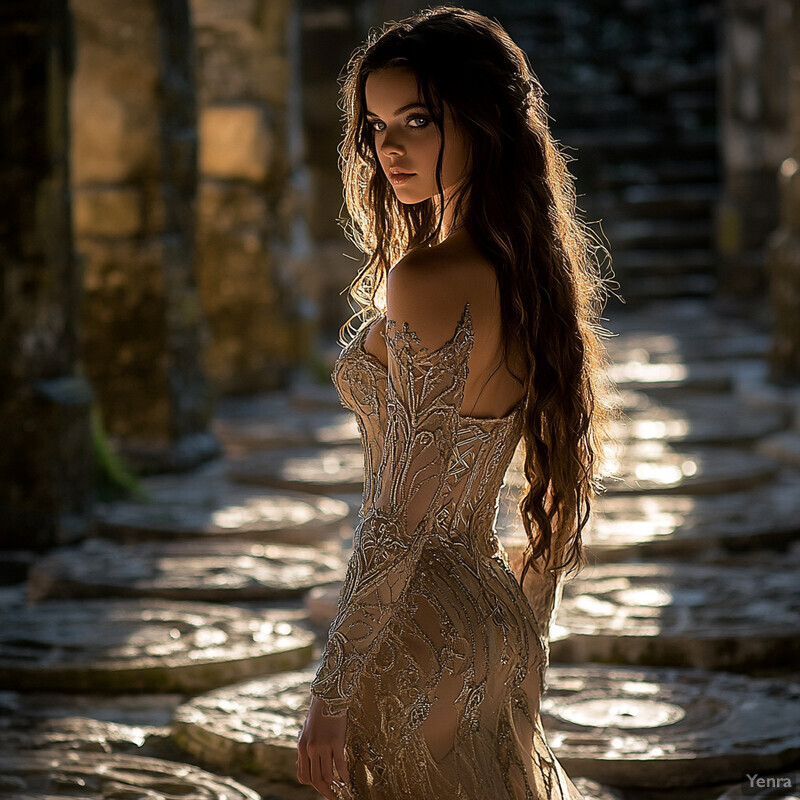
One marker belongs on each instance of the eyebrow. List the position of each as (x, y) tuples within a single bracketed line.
[(400, 110)]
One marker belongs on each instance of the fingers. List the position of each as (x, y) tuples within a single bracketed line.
[(322, 774), (341, 764)]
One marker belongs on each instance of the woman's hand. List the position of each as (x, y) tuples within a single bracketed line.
[(320, 748)]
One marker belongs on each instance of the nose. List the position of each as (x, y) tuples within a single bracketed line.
[(391, 145)]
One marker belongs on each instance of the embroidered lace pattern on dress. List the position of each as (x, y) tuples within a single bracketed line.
[(435, 654)]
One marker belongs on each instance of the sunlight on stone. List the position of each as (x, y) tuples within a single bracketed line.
[(657, 429), (648, 373), (658, 473), (621, 713), (650, 596)]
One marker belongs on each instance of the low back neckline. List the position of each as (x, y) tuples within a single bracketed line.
[(465, 321)]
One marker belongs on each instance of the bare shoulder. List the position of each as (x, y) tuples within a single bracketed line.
[(429, 288)]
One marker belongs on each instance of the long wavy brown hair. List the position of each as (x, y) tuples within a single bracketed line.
[(519, 207)]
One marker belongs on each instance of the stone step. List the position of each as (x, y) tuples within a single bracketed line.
[(261, 737), (629, 727), (676, 200), (635, 142), (205, 505), (319, 470), (668, 728), (682, 345), (55, 774), (637, 263), (650, 234), (681, 614), (144, 645), (645, 289), (134, 724), (666, 171), (205, 571), (630, 527)]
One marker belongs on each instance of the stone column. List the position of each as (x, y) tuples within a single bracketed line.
[(45, 455), (135, 175), (784, 245), (753, 101), (251, 196)]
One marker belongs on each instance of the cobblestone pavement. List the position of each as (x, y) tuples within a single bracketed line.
[(172, 653)]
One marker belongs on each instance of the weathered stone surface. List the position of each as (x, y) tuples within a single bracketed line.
[(318, 470), (257, 333), (108, 211), (36, 721), (208, 571), (698, 419), (680, 614), (783, 447), (135, 173), (657, 467), (252, 725), (668, 727), (56, 773), (321, 604), (784, 786), (592, 790), (206, 504), (235, 142), (263, 422), (143, 646), (677, 346), (45, 458), (701, 376), (652, 525), (304, 394)]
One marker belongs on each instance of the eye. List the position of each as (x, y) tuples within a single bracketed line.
[(423, 121), (373, 124)]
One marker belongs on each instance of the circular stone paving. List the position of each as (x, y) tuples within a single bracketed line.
[(212, 571), (143, 645), (93, 776), (122, 723), (645, 346), (657, 467), (698, 419), (665, 376), (668, 727), (310, 469), (649, 525), (622, 726), (210, 506), (680, 614), (252, 725), (292, 428), (255, 725)]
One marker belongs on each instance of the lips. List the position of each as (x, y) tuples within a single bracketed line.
[(398, 176)]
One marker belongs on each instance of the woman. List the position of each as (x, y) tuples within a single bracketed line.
[(430, 682)]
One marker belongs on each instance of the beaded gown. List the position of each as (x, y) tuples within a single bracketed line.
[(435, 654)]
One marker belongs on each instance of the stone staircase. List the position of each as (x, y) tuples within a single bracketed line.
[(632, 97)]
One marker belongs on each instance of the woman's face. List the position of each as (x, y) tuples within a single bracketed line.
[(406, 139)]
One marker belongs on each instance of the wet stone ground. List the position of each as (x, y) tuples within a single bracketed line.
[(171, 655)]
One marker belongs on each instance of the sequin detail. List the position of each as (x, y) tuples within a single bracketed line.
[(435, 654)]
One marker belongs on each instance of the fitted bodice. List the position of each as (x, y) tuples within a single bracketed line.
[(479, 450)]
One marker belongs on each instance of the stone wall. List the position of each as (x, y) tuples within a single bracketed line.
[(134, 172), (45, 457), (250, 203), (754, 68), (783, 251)]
